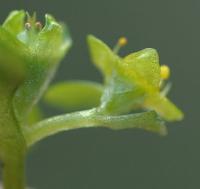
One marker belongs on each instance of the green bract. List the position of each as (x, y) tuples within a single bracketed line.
[(29, 57)]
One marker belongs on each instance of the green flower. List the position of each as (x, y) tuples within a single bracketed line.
[(29, 56), (133, 82)]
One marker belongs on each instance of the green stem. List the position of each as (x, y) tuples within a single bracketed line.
[(59, 123), (13, 173), (92, 118), (12, 143)]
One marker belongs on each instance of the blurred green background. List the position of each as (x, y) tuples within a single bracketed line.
[(105, 159)]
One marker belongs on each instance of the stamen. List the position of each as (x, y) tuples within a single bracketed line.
[(164, 72), (166, 89), (38, 25), (122, 41), (27, 26)]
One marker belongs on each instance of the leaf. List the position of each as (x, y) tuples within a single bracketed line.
[(102, 55), (14, 22), (146, 64), (74, 95)]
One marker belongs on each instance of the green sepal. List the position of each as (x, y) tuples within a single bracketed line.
[(145, 64), (74, 95), (102, 56), (12, 59), (164, 107), (15, 22), (120, 96)]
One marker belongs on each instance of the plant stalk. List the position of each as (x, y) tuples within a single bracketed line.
[(14, 173), (12, 143), (92, 118)]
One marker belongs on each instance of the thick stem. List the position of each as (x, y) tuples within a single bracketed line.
[(14, 173), (12, 143)]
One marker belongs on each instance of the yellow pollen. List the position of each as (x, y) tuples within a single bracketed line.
[(122, 41), (164, 72)]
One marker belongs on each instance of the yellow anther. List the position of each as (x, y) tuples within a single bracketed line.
[(164, 72), (122, 41)]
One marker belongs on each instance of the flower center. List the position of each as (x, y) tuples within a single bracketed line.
[(31, 28)]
